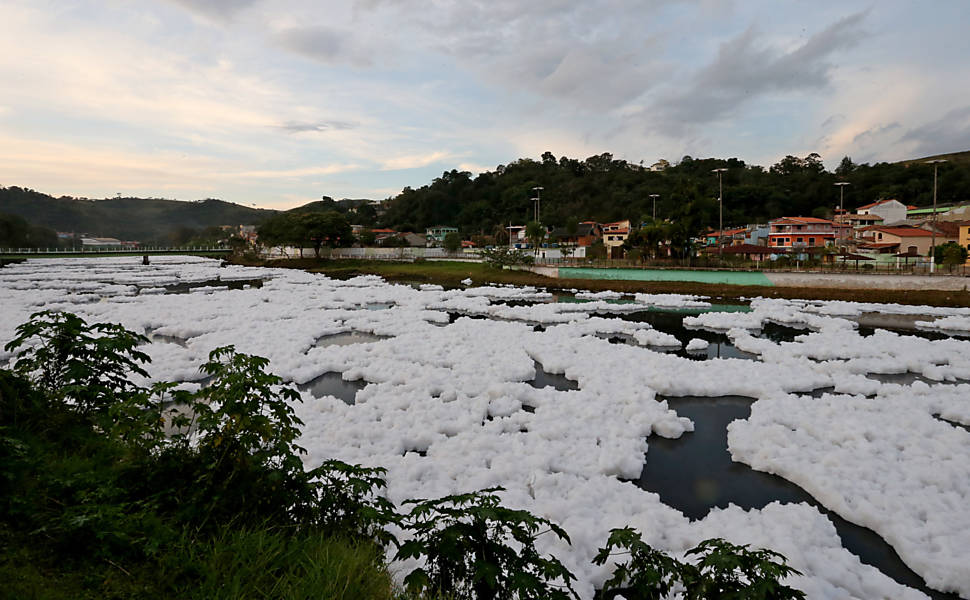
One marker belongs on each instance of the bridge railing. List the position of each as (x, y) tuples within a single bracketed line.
[(114, 250)]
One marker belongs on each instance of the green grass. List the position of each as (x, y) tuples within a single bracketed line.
[(236, 564)]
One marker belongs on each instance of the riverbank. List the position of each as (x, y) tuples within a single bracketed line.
[(451, 274)]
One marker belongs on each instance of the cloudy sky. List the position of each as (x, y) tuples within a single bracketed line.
[(276, 103)]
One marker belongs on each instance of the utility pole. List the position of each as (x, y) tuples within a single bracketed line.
[(720, 206), (841, 185), (654, 196), (538, 200), (935, 163)]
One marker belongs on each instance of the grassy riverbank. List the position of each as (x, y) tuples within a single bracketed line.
[(450, 274)]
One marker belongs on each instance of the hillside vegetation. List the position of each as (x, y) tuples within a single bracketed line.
[(143, 219), (605, 189)]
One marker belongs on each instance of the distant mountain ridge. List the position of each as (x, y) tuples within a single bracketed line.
[(142, 219)]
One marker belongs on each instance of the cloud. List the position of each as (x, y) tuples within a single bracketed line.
[(951, 133), (745, 69), (295, 173), (222, 11), (324, 44), (874, 132), (413, 161), (317, 126)]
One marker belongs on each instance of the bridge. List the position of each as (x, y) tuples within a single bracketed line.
[(10, 254)]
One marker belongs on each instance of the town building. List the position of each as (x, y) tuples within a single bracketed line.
[(892, 211), (586, 234), (801, 232), (614, 234), (901, 239), (436, 235)]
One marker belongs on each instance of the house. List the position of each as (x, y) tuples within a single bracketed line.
[(747, 251), (801, 232), (517, 236), (756, 235), (436, 235), (888, 240), (891, 211), (415, 240), (586, 234), (614, 234)]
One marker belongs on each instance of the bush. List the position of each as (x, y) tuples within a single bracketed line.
[(500, 257), (464, 540), (70, 361), (724, 571)]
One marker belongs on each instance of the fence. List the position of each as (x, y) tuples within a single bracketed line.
[(405, 254), (113, 250), (849, 266)]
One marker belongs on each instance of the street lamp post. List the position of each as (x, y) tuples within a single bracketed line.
[(842, 185), (538, 200), (720, 207), (935, 163), (654, 196)]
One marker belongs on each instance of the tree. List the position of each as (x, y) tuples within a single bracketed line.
[(325, 229), (452, 241), (367, 237), (846, 167), (535, 233), (950, 254)]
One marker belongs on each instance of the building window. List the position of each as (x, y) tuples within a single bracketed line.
[(798, 240)]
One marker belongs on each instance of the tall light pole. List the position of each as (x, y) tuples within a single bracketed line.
[(538, 200), (720, 207), (654, 196), (935, 163), (842, 185)]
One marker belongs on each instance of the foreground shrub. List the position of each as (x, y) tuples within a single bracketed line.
[(70, 361), (723, 571), (464, 540)]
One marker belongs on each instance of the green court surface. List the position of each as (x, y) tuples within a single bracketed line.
[(725, 277)]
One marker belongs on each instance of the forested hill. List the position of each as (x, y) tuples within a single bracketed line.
[(143, 219), (604, 189)]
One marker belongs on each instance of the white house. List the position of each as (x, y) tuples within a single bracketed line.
[(891, 211)]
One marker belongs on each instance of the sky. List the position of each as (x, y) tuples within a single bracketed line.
[(276, 103)]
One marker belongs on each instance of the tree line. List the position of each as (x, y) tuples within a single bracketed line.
[(605, 189)]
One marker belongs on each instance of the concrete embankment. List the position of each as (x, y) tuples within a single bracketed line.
[(844, 281)]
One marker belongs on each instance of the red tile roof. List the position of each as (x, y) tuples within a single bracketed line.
[(876, 203), (904, 231), (802, 220)]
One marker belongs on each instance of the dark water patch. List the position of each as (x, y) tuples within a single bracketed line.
[(672, 322), (909, 378), (695, 473), (816, 393), (165, 339), (348, 338), (558, 381), (776, 332), (169, 339), (333, 384), (378, 305), (953, 423), (232, 284)]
